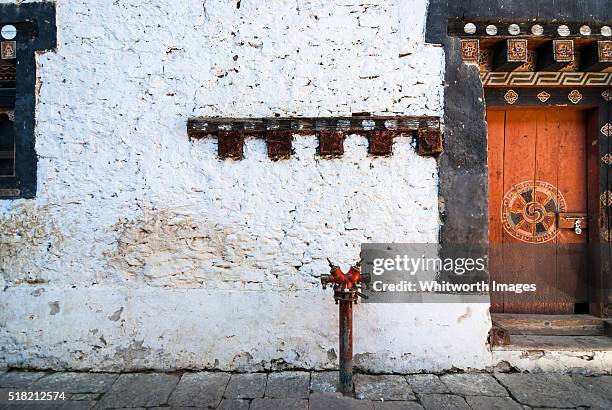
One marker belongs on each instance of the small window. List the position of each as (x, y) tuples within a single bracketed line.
[(7, 145), (25, 29)]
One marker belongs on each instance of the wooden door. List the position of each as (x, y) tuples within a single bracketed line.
[(537, 185)]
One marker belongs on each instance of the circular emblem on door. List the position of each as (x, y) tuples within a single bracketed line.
[(529, 211)]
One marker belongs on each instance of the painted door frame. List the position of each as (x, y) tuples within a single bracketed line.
[(598, 106)]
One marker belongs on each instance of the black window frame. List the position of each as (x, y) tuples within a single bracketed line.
[(36, 31)]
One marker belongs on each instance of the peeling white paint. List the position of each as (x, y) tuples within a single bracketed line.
[(161, 256)]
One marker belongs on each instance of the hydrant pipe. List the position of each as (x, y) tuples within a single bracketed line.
[(346, 292), (346, 346)]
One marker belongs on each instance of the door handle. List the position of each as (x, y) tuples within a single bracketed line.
[(572, 220)]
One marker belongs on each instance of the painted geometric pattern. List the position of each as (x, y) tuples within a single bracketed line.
[(529, 211), (469, 51), (605, 51), (584, 79), (517, 50), (606, 198), (543, 96), (607, 159), (574, 96), (563, 50), (607, 130), (511, 96)]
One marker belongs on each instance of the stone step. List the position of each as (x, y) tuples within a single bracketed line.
[(551, 325), (557, 343)]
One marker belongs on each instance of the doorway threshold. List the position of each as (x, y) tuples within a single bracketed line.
[(551, 332), (565, 343)]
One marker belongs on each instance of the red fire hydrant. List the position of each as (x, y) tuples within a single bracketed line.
[(347, 287)]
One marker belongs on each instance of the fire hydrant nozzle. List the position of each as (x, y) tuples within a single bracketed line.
[(347, 288)]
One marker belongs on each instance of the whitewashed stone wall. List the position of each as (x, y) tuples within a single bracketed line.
[(143, 250)]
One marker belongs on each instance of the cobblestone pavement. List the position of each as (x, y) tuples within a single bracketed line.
[(304, 390)]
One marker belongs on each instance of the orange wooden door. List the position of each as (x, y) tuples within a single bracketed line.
[(537, 185)]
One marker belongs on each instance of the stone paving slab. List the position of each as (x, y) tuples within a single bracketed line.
[(382, 387), (290, 390), (473, 384), (336, 401), (443, 402), (20, 379), (492, 403), (199, 390), (550, 390), (397, 405), (139, 390), (283, 385), (246, 386), (324, 382), (426, 384), (85, 397), (234, 404), (279, 404), (601, 385), (75, 382)]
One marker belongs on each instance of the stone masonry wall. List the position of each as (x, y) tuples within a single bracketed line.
[(143, 250)]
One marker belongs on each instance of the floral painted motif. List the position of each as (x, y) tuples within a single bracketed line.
[(511, 97)]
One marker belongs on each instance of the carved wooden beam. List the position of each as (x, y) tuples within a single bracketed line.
[(527, 29), (597, 56), (279, 133), (231, 144), (203, 127), (555, 55), (279, 144), (331, 143), (380, 142), (510, 54)]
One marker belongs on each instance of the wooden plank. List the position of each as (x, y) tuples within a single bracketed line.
[(595, 167), (546, 171), (572, 266), (519, 165), (559, 325), (496, 134)]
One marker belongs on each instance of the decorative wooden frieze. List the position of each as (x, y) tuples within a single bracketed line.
[(279, 133), (7, 71), (530, 65), (380, 142), (231, 144), (546, 79), (530, 29), (279, 144), (470, 51), (8, 50), (510, 55), (597, 56), (485, 60), (584, 97), (563, 51), (605, 51), (555, 55)]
